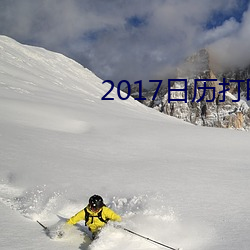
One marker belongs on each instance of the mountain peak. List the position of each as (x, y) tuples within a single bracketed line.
[(207, 112)]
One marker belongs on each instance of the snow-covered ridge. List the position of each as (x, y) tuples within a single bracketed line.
[(28, 69), (33, 74)]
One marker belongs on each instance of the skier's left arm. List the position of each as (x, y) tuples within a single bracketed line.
[(111, 215)]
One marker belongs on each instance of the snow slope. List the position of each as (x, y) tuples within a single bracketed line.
[(176, 183)]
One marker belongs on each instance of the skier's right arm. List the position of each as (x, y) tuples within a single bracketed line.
[(77, 217)]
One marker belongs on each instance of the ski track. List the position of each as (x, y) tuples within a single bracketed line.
[(139, 215)]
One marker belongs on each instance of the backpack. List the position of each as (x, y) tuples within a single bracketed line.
[(88, 216)]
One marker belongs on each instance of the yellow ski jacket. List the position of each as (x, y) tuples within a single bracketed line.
[(94, 223)]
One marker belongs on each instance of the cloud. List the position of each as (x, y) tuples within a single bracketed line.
[(233, 49), (229, 27), (117, 39)]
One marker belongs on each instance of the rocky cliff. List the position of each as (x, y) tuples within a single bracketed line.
[(211, 107)]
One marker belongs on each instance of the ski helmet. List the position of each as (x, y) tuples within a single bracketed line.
[(95, 202)]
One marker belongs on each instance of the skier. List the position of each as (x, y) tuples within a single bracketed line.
[(95, 214)]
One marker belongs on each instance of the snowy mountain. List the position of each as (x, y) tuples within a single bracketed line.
[(182, 185), (211, 112)]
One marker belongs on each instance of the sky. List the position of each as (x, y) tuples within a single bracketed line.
[(133, 39)]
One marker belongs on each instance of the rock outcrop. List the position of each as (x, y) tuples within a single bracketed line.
[(212, 107)]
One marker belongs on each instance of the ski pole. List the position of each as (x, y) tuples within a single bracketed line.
[(45, 228), (146, 238)]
